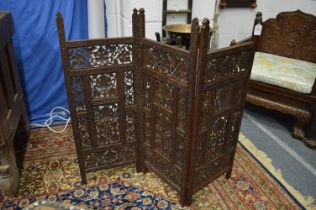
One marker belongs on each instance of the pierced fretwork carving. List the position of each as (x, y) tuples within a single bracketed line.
[(107, 124), (103, 85), (100, 55), (221, 103), (129, 88), (109, 157), (167, 63), (169, 171), (100, 79), (182, 107), (216, 137), (83, 133), (147, 123), (78, 96), (164, 94), (164, 135), (223, 98), (177, 111), (226, 66), (130, 126)]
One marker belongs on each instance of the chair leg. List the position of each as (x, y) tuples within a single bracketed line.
[(298, 131), (311, 142)]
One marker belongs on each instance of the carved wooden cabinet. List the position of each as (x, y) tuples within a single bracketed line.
[(13, 114), (175, 112)]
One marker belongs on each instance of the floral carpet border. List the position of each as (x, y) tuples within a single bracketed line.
[(266, 162)]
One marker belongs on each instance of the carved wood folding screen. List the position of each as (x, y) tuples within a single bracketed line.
[(174, 112)]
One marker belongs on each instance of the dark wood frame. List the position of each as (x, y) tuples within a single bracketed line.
[(188, 104), (274, 39), (13, 114), (238, 3)]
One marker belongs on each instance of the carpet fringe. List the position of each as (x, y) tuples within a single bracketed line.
[(306, 201)]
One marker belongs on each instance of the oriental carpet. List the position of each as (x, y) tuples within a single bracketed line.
[(50, 173)]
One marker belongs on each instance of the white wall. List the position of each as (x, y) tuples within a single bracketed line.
[(119, 13), (237, 23), (113, 14), (96, 19)]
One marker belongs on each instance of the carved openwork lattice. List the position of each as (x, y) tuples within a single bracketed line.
[(223, 89), (176, 112), (100, 77), (129, 88), (168, 63), (165, 106), (100, 55), (78, 96)]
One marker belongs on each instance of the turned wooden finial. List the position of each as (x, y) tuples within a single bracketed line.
[(233, 42), (206, 22), (195, 21)]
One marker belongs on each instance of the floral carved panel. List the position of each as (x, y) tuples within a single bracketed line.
[(164, 134), (130, 126), (100, 55), (291, 34), (77, 94), (83, 133), (166, 63), (164, 94), (107, 124), (220, 68), (222, 97), (103, 85), (129, 88), (109, 157)]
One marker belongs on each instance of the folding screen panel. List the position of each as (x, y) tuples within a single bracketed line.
[(221, 92), (100, 76), (175, 112), (167, 99)]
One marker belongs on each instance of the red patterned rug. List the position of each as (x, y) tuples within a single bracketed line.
[(50, 168)]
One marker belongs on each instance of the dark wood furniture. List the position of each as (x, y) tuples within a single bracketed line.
[(293, 35), (238, 3), (175, 112), (13, 114)]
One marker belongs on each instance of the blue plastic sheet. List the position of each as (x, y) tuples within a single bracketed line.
[(37, 49)]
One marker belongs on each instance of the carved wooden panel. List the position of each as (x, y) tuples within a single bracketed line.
[(100, 55), (291, 34), (223, 91), (100, 79), (165, 86), (177, 112)]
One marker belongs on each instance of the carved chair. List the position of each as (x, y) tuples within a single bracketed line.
[(284, 69)]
